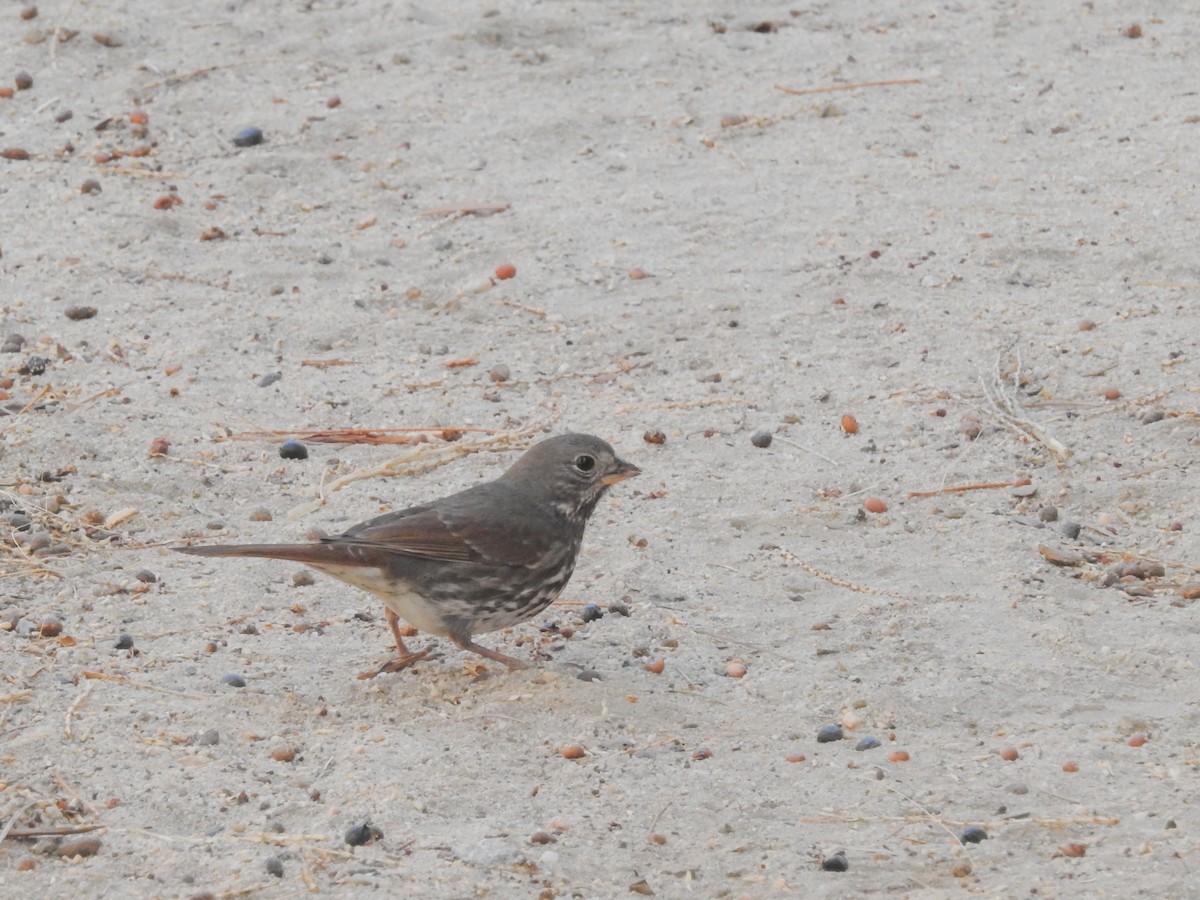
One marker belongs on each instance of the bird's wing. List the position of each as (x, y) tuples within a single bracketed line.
[(481, 525)]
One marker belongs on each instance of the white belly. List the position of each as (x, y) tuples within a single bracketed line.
[(411, 607)]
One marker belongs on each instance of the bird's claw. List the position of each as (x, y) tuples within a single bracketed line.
[(398, 663)]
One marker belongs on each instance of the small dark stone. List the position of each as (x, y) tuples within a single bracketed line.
[(210, 737), (830, 733), (269, 379), (274, 866), (1152, 415), (589, 675), (619, 608), (303, 578), (972, 835), (34, 365), (591, 613), (836, 863), (90, 186), (145, 576), (248, 137), (65, 116), (78, 313), (234, 680), (24, 81), (124, 642), (293, 450), (761, 438), (362, 833), (1071, 529), (1048, 513), (867, 743), (13, 343)]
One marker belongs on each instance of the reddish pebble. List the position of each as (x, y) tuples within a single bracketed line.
[(898, 756), (14, 153), (1070, 766), (1073, 850), (506, 271), (849, 424), (875, 505), (735, 669), (1009, 754), (50, 628), (657, 838), (159, 447), (6, 92), (23, 81), (166, 201), (81, 847), (333, 102), (655, 666), (283, 754), (1111, 394), (573, 751), (1133, 31), (702, 753), (1138, 739), (637, 274), (796, 758), (29, 12)]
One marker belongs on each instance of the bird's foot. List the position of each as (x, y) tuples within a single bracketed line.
[(398, 663)]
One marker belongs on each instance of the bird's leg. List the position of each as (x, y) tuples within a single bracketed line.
[(405, 658), (465, 643)]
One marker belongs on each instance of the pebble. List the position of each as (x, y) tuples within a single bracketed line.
[(210, 737), (15, 153), (83, 847), (248, 137), (12, 343), (269, 379), (124, 642), (443, 244), (34, 365), (303, 578), (761, 438), (24, 81), (836, 863), (1151, 416), (234, 680), (830, 733), (91, 186), (1048, 513), (293, 450), (500, 373), (867, 743), (65, 116), (591, 613), (1018, 788), (972, 835), (274, 866), (1071, 530), (654, 436), (589, 675), (145, 576), (362, 833), (619, 608), (50, 627)]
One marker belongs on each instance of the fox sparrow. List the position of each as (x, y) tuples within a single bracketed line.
[(483, 559)]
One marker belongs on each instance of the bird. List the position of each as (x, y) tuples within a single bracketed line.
[(486, 558)]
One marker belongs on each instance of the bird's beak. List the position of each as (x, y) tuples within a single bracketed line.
[(620, 471)]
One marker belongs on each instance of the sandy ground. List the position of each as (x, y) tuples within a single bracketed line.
[(964, 260)]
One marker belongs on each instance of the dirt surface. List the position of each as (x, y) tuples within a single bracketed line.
[(978, 221)]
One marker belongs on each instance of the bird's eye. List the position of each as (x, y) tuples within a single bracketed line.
[(585, 463)]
